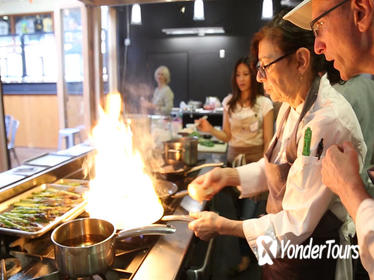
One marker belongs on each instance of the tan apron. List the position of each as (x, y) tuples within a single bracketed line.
[(247, 128), (252, 154), (328, 227)]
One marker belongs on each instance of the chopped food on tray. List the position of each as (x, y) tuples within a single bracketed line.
[(39, 209), (72, 182)]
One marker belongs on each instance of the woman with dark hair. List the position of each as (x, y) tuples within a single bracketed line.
[(247, 118), (248, 128), (301, 210)]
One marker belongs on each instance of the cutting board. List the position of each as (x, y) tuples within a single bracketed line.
[(217, 148)]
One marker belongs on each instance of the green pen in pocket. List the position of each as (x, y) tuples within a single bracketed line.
[(307, 141)]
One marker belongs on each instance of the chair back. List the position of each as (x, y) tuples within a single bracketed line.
[(8, 124), (14, 128)]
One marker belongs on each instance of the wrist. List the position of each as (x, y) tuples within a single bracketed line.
[(220, 225), (231, 177), (352, 196)]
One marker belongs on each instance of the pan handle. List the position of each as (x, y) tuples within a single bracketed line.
[(155, 229), (182, 218), (180, 194), (213, 164)]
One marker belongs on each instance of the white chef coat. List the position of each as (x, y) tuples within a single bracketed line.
[(306, 198), (365, 234)]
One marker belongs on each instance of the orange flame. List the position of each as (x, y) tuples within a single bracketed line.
[(121, 192)]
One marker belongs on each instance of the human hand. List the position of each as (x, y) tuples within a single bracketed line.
[(340, 168), (207, 185), (203, 125), (205, 225)]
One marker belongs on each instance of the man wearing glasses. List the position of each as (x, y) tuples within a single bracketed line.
[(344, 32)]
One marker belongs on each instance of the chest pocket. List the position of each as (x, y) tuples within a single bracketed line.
[(304, 172)]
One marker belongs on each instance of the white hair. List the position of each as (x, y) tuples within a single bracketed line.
[(164, 70)]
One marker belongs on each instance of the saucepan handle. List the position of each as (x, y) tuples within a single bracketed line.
[(155, 229)]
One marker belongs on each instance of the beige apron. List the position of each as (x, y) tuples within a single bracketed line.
[(328, 227), (252, 154), (246, 128)]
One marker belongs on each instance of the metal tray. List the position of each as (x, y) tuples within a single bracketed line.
[(69, 215), (72, 182)]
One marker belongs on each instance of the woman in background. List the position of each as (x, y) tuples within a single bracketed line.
[(247, 116), (248, 128), (163, 96)]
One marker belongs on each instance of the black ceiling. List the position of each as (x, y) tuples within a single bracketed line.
[(236, 16)]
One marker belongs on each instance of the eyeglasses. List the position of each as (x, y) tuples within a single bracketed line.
[(262, 69), (316, 25)]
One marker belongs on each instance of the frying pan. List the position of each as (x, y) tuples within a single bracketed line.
[(179, 170), (85, 246), (167, 190)]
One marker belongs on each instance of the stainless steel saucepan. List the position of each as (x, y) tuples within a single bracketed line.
[(85, 247)]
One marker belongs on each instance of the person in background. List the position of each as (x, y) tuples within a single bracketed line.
[(248, 128), (359, 92), (344, 33), (300, 208), (163, 96), (247, 116)]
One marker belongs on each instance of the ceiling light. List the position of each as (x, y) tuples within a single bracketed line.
[(198, 10), (136, 15), (201, 31), (267, 9)]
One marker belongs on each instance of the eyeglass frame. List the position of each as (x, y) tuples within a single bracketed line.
[(314, 21), (262, 69)]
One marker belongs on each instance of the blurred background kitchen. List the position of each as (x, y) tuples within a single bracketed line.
[(58, 59)]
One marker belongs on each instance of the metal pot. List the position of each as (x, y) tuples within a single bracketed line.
[(85, 247), (182, 149)]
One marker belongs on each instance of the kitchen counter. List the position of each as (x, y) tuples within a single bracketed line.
[(166, 256)]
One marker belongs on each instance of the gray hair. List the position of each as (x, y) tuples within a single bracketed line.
[(164, 70)]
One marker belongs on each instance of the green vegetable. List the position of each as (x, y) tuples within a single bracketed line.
[(195, 134), (207, 143)]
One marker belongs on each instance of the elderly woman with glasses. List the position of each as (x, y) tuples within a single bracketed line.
[(301, 211)]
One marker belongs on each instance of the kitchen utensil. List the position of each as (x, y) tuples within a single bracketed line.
[(167, 190), (181, 149), (181, 218), (85, 247), (179, 171)]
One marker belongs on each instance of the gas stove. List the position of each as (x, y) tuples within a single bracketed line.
[(34, 258)]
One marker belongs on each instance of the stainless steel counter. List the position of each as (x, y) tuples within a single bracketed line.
[(166, 256)]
